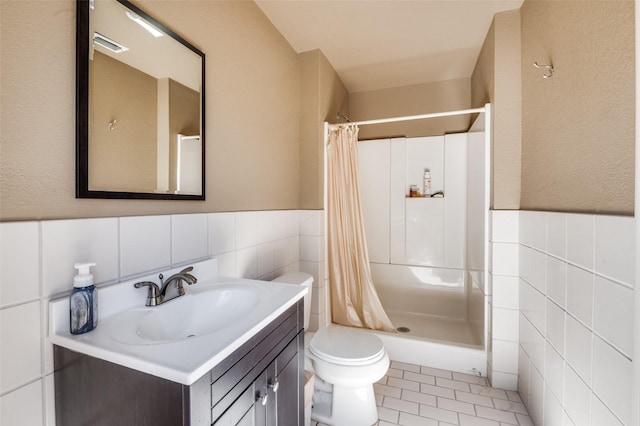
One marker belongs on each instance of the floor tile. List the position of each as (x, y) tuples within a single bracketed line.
[(474, 398), (438, 414), (414, 395), (403, 384), (458, 406), (400, 405), (418, 377), (419, 397), (498, 415), (452, 384), (412, 420)]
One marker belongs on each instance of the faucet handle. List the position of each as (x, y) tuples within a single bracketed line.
[(154, 297), (190, 278)]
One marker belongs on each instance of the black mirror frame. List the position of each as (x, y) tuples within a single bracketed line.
[(82, 110)]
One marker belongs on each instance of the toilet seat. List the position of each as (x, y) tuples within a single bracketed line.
[(346, 346)]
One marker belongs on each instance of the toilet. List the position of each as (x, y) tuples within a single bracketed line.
[(347, 362)]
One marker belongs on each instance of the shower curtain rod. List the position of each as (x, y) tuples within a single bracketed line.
[(408, 118)]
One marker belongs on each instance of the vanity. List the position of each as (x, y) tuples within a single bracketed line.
[(190, 368)]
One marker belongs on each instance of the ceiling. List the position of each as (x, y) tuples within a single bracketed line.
[(377, 44)]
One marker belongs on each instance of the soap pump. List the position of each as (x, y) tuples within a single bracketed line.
[(83, 301)]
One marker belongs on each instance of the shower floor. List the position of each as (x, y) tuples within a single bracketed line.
[(440, 329)]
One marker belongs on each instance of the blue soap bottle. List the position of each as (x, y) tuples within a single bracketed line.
[(83, 301)]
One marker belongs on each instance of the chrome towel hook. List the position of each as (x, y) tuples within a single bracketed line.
[(548, 67)]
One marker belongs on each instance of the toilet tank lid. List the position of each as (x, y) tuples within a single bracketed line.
[(295, 278)]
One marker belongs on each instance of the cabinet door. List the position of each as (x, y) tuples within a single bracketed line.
[(244, 411), (276, 396), (289, 394)]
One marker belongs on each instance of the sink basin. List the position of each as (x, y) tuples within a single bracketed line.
[(200, 311)]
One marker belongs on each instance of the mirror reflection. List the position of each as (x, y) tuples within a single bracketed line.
[(144, 107)]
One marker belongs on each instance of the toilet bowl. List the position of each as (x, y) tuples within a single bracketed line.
[(347, 362), (350, 360)]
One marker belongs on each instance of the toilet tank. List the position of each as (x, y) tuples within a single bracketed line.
[(300, 278)]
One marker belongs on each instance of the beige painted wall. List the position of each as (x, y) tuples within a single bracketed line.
[(578, 127), (323, 96), (252, 96), (496, 79), (417, 99), (122, 158)]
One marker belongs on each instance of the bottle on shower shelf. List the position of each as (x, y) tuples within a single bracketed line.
[(426, 185)]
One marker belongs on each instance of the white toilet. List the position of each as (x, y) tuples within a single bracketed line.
[(347, 362)]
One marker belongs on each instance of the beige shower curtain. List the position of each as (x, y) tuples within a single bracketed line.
[(354, 301)]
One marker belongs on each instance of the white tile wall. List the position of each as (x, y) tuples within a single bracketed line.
[(18, 407), (567, 347), (36, 264), (313, 261), (189, 237), (582, 348), (578, 345), (580, 239), (222, 233), (65, 242), (613, 307), (505, 264), (145, 244), (21, 333), (580, 293), (19, 262)]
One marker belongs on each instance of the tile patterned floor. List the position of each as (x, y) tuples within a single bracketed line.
[(413, 395)]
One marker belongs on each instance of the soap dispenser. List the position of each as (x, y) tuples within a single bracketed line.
[(83, 301)]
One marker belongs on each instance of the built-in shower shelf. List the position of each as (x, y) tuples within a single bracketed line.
[(424, 198)]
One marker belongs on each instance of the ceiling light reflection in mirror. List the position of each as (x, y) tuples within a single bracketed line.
[(155, 55)]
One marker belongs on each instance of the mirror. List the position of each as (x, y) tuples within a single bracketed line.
[(140, 103)]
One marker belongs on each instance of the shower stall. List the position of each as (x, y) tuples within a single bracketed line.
[(429, 254)]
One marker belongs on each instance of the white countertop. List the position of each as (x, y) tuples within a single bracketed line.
[(183, 361)]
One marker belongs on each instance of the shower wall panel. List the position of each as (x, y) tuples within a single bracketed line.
[(424, 217), (476, 210), (373, 168), (398, 183), (420, 231), (455, 201), (425, 239)]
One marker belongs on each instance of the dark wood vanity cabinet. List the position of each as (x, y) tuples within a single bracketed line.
[(261, 383)]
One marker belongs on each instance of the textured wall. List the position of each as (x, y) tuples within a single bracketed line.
[(417, 99), (323, 96), (496, 79), (578, 127), (251, 112), (122, 158)]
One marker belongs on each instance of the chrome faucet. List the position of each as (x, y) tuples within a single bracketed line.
[(165, 292)]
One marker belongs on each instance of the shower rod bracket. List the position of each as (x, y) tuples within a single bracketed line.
[(344, 117)]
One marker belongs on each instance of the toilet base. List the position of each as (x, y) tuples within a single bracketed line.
[(343, 406)]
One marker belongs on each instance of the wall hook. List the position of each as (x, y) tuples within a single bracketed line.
[(112, 124), (548, 67)]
